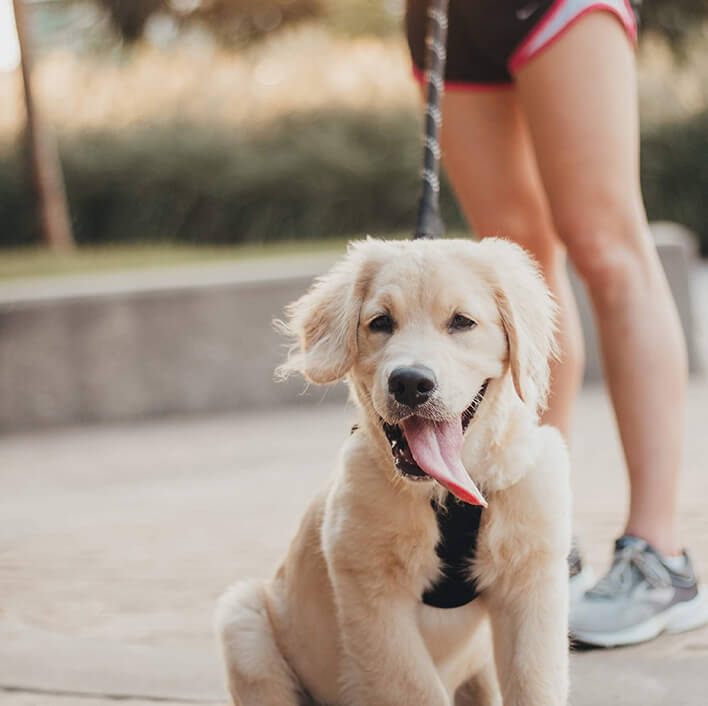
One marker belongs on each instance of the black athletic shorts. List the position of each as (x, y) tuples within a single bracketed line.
[(489, 40)]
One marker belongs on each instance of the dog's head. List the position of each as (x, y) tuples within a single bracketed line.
[(421, 329)]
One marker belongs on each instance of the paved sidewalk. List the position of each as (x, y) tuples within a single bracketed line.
[(116, 541)]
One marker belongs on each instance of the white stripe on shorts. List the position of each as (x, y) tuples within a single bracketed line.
[(559, 17)]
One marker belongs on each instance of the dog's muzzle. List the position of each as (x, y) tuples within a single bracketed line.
[(402, 456)]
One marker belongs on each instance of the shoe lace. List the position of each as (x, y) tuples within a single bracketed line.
[(633, 557)]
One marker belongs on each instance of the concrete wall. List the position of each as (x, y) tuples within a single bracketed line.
[(184, 341), (180, 341)]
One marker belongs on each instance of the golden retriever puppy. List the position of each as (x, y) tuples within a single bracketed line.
[(432, 569)]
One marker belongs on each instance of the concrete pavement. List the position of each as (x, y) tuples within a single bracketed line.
[(115, 542)]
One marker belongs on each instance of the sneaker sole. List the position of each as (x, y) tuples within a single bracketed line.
[(681, 617), (580, 583)]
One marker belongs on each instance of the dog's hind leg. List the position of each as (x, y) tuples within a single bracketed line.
[(257, 672)]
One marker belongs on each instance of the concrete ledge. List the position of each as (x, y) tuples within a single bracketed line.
[(194, 341), (189, 340)]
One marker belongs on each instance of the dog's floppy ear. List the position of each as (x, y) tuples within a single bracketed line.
[(323, 323), (528, 315)]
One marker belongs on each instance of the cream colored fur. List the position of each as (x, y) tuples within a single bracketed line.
[(342, 620)]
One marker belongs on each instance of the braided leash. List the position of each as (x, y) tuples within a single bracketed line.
[(429, 224)]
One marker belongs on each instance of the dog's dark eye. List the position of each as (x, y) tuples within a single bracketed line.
[(461, 323), (383, 323)]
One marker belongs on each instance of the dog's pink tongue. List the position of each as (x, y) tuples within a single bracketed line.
[(437, 449)]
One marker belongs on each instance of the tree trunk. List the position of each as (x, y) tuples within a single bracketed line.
[(46, 169)]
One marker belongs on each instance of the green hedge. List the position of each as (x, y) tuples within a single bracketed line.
[(675, 175), (314, 176)]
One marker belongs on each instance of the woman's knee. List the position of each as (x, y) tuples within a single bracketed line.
[(527, 228), (612, 255)]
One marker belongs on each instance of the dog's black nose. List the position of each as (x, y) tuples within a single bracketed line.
[(411, 385)]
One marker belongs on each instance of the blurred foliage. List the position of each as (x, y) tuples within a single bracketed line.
[(675, 174), (320, 175), (315, 136), (130, 16), (232, 21), (674, 19), (239, 20), (377, 17)]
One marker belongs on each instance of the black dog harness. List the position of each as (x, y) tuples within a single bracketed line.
[(458, 523), (459, 527)]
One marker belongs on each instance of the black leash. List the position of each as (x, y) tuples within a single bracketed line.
[(458, 522), (429, 224)]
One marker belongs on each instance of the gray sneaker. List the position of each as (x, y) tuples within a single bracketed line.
[(639, 598)]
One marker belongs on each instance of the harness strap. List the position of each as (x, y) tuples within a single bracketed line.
[(458, 523)]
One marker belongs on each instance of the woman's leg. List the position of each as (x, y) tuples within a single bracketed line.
[(579, 97), (489, 159)]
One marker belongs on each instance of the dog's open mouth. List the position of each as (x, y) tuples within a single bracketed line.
[(423, 448)]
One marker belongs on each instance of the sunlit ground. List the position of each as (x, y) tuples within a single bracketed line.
[(37, 262)]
